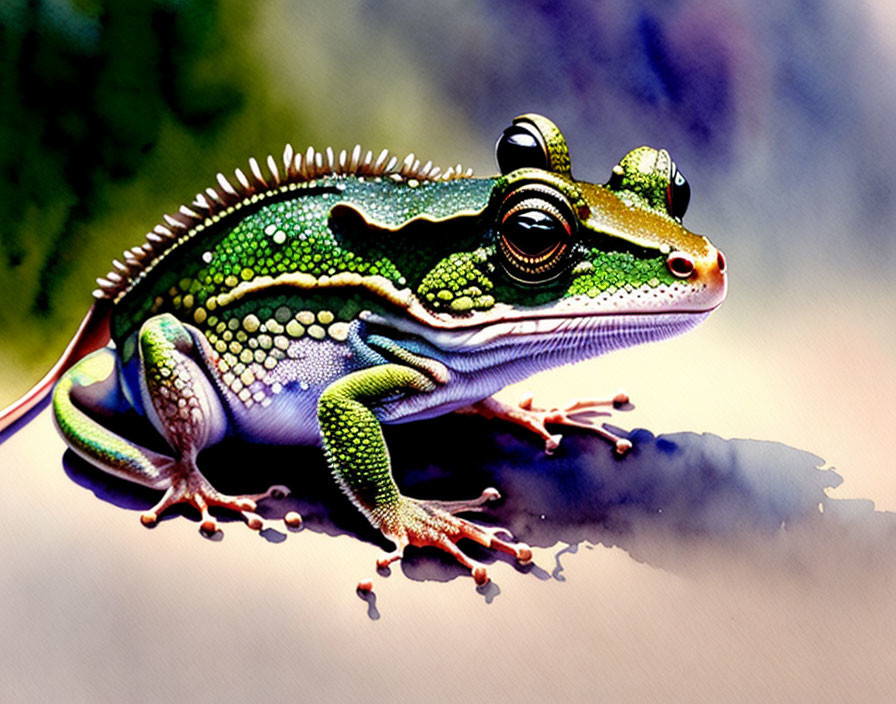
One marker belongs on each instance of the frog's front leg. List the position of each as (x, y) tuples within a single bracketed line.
[(181, 403), (578, 414), (359, 460)]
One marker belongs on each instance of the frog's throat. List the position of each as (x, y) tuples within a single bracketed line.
[(608, 332)]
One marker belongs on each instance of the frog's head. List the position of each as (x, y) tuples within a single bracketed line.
[(555, 249), (619, 247)]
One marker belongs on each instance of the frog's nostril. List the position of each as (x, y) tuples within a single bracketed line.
[(720, 260), (680, 265)]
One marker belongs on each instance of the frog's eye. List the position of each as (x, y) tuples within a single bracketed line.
[(521, 145), (535, 231), (678, 193)]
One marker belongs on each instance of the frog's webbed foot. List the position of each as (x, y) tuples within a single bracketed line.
[(424, 523), (188, 485), (579, 414)]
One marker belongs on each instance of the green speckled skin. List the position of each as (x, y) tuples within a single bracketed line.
[(295, 236), (315, 305)]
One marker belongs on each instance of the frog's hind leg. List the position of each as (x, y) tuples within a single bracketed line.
[(180, 401)]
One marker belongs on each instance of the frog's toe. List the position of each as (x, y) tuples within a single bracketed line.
[(583, 414), (195, 490), (453, 507), (171, 497), (434, 524)]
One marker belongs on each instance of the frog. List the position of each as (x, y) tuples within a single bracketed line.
[(318, 299)]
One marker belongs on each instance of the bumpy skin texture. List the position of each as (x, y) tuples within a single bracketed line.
[(312, 305)]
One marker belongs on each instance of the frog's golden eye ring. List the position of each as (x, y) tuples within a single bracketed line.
[(678, 193), (535, 234), (521, 146)]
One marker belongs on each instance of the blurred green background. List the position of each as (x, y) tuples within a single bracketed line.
[(116, 111)]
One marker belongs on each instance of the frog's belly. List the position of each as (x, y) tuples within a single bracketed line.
[(279, 406)]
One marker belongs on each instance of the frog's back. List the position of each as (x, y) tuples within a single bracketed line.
[(272, 273)]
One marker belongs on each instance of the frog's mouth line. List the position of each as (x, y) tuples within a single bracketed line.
[(646, 304)]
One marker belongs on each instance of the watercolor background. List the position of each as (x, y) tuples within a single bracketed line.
[(702, 570)]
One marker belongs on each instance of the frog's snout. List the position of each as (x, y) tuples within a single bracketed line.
[(710, 269)]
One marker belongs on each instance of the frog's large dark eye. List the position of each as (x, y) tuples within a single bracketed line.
[(678, 193), (535, 233), (521, 145)]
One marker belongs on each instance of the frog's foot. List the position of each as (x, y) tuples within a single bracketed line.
[(579, 414), (192, 488), (434, 524)]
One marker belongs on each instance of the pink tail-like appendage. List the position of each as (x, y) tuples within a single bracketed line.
[(92, 335)]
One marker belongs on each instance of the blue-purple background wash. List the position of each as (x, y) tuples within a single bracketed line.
[(788, 94)]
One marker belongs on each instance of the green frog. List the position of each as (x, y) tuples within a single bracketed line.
[(314, 300)]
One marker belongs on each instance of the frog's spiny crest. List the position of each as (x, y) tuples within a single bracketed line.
[(297, 171)]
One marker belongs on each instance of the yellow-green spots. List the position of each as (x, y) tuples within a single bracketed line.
[(246, 355), (251, 323), (317, 332), (338, 331), (231, 281), (280, 342), (199, 316), (462, 304), (460, 282), (306, 317), (325, 317), (295, 329)]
